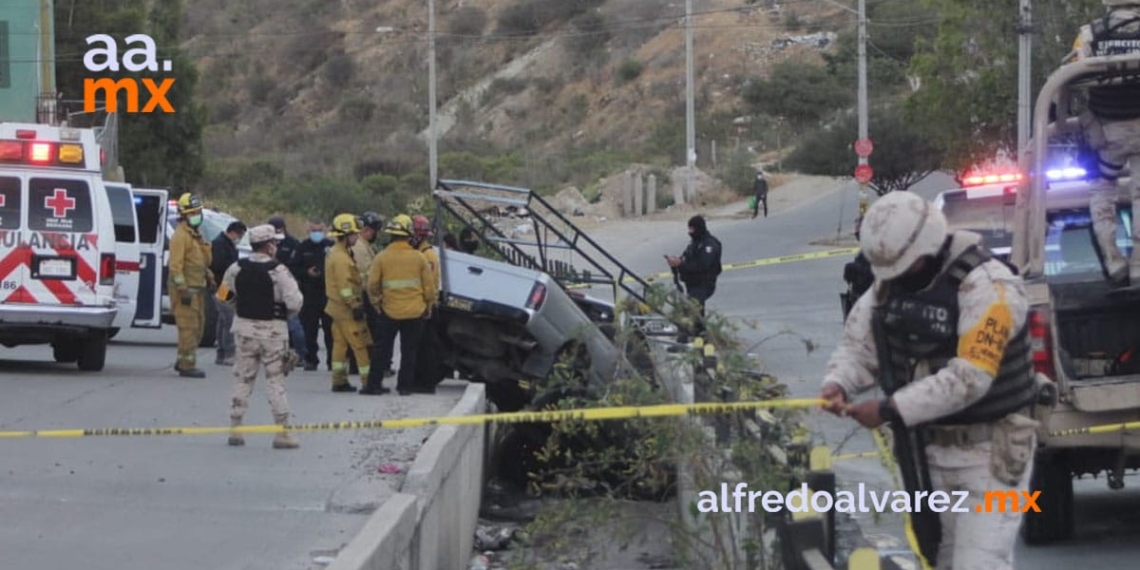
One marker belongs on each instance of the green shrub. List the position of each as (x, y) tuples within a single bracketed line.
[(629, 70)]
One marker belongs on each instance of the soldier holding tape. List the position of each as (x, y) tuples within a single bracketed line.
[(944, 333), (266, 296)]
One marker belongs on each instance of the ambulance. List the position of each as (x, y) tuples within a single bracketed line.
[(80, 258)]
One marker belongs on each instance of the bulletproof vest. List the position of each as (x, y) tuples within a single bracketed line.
[(923, 326), (1116, 101), (254, 288)]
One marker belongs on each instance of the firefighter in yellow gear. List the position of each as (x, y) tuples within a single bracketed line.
[(343, 286), (400, 288), (188, 283)]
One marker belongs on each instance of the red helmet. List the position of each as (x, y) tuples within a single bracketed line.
[(421, 226)]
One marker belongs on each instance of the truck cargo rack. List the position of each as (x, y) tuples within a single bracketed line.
[(474, 203)]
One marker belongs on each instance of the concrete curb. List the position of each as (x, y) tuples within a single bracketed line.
[(430, 523)]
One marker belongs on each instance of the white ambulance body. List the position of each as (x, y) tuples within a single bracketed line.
[(61, 280)]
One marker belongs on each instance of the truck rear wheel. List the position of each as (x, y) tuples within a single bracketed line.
[(1055, 522), (65, 352), (93, 354)]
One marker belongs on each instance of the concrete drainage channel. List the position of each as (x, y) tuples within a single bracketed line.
[(430, 523)]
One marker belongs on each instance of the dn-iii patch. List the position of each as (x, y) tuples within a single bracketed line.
[(984, 344)]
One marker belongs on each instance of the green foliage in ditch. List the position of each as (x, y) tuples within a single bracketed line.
[(595, 468)]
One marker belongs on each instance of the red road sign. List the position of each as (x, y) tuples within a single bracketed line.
[(863, 148), (863, 173)]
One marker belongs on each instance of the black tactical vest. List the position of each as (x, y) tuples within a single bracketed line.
[(1116, 101), (912, 327), (254, 287)]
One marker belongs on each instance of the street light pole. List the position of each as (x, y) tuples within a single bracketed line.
[(690, 126), (433, 167), (862, 96), (1024, 63)]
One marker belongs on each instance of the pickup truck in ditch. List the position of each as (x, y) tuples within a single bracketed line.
[(507, 326), (1085, 332)]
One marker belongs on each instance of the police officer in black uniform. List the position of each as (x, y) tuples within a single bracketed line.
[(699, 266), (311, 254)]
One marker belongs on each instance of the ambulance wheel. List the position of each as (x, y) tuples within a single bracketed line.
[(65, 352), (1051, 476), (94, 352), (209, 326)]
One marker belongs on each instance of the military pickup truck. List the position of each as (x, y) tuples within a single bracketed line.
[(1085, 333)]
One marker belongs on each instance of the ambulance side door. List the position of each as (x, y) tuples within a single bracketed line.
[(150, 209), (128, 261)]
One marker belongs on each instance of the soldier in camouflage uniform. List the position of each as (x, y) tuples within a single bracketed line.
[(1111, 126), (266, 295), (944, 333)]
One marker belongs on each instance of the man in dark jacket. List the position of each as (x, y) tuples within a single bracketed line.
[(224, 254), (287, 255), (312, 253), (699, 266), (857, 274), (760, 194)]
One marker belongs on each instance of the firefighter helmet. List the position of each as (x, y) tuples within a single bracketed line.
[(189, 203), (400, 225), (421, 226), (897, 230), (344, 224), (371, 220)]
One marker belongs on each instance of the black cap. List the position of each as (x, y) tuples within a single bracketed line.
[(277, 222)]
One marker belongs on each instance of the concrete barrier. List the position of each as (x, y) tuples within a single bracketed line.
[(430, 523)]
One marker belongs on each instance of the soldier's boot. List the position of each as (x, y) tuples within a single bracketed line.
[(284, 440), (236, 438)]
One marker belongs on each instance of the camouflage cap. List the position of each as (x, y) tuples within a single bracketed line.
[(262, 234)]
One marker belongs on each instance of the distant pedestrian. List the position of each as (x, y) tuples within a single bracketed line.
[(225, 254), (759, 194), (264, 295)]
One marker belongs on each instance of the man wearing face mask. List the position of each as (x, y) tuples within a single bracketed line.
[(944, 333), (311, 254), (189, 279), (698, 268)]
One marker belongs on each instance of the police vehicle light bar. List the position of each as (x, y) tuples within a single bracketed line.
[(979, 179), (1067, 173)]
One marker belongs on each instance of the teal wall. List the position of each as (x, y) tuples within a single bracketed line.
[(27, 65)]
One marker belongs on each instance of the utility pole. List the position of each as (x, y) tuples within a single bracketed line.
[(690, 127), (862, 96), (1024, 66), (433, 167)]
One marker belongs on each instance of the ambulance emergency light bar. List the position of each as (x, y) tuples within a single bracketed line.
[(27, 150), (1067, 173)]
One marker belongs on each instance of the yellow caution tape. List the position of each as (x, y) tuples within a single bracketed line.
[(1092, 430), (749, 264), (889, 463), (547, 416)]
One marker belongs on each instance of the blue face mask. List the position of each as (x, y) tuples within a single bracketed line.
[(317, 237)]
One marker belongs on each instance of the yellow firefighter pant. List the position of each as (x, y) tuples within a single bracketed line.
[(190, 320), (346, 334)]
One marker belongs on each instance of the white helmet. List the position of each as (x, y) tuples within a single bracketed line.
[(897, 230)]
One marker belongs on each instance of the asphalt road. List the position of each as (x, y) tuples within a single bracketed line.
[(184, 502), (797, 302)]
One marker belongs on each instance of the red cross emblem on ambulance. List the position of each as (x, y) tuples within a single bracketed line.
[(60, 203)]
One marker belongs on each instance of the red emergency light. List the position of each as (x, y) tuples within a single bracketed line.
[(995, 178)]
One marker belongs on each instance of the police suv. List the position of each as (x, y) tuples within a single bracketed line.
[(79, 257)]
